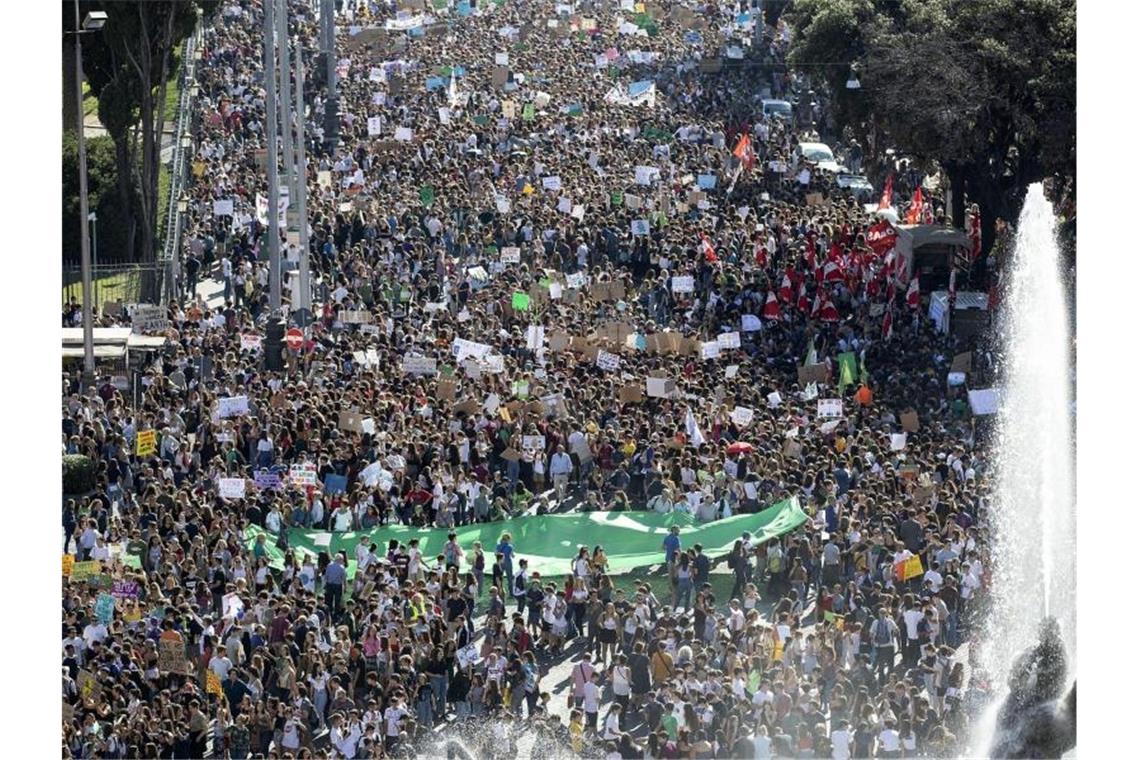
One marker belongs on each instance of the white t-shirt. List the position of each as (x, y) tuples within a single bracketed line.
[(392, 718), (911, 618), (221, 666), (889, 740), (840, 744)]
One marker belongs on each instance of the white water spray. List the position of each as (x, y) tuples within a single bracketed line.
[(1033, 517)]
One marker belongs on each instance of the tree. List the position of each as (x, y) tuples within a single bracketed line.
[(986, 89), (127, 66)]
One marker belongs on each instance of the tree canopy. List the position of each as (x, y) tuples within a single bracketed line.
[(985, 88)]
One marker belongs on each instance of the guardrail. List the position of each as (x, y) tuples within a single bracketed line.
[(169, 260)]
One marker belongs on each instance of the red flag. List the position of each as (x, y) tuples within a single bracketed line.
[(827, 311), (802, 303), (771, 307), (881, 237), (707, 249), (761, 254), (832, 272), (914, 213), (912, 295), (785, 291), (888, 190), (887, 326), (743, 151)]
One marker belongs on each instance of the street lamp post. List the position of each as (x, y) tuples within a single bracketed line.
[(92, 23), (269, 73), (94, 239)]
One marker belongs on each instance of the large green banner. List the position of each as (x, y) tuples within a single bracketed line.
[(550, 542)]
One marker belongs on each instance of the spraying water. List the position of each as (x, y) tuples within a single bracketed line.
[(1033, 517)]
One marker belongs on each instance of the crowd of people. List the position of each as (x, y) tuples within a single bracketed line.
[(563, 261)]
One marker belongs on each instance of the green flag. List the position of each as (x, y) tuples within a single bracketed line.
[(520, 301), (427, 195), (616, 198), (528, 112), (863, 369), (848, 368)]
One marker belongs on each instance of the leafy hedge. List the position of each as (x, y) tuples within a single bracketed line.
[(78, 474)]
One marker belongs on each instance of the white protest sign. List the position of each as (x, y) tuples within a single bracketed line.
[(659, 387), (250, 341), (565, 205), (555, 291), (231, 488), (224, 207), (510, 255), (898, 441), (534, 442), (731, 371), (774, 399), (553, 182), (639, 226), (404, 134), (984, 401), (502, 59), (608, 361), (749, 323), (742, 416), (375, 124), (535, 334), (682, 284), (645, 175), (710, 349), (729, 340), (419, 365), (461, 349), (233, 406), (576, 280), (303, 474), (829, 407)]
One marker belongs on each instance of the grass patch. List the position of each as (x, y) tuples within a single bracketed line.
[(90, 102), (163, 205), (121, 286), (170, 107)]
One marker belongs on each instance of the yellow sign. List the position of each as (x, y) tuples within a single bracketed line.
[(146, 443), (214, 684), (68, 563), (81, 571)]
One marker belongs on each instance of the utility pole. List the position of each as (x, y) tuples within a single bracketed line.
[(302, 184), (328, 50), (282, 18), (84, 242), (270, 76)]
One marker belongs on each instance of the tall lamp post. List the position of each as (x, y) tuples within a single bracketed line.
[(93, 22)]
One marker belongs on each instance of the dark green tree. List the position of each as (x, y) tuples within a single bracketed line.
[(986, 89)]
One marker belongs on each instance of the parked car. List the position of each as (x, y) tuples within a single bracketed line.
[(781, 109), (857, 184), (818, 154)]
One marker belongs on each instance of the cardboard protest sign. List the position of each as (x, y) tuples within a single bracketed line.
[(963, 362), (445, 390), (171, 656), (631, 394), (814, 199), (812, 373), (355, 317), (909, 421)]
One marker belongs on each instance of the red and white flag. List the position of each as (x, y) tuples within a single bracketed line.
[(887, 325), (785, 291), (832, 272), (912, 295), (743, 151), (707, 249), (827, 311), (888, 190), (802, 302), (914, 213), (771, 307)]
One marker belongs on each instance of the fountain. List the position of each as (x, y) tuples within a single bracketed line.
[(1029, 643)]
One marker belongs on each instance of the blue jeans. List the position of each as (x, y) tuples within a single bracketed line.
[(439, 690), (684, 592)]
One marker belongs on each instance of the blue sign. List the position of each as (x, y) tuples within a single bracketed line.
[(706, 181), (335, 483), (436, 83), (639, 88), (105, 608), (464, 8)]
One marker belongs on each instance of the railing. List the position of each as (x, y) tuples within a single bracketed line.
[(168, 264)]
